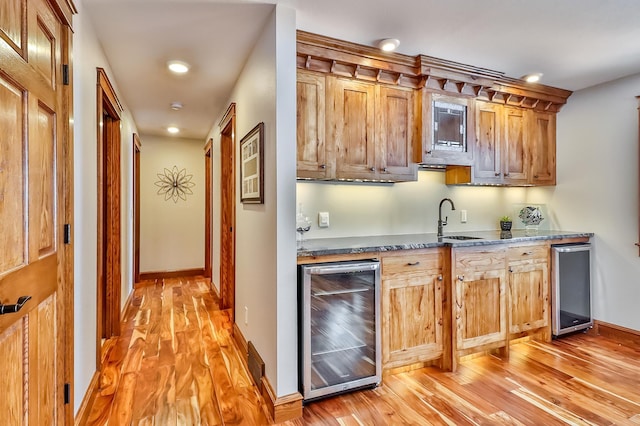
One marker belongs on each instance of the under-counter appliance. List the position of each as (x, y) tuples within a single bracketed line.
[(571, 288), (339, 327)]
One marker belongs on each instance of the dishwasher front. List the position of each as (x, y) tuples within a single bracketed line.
[(571, 288)]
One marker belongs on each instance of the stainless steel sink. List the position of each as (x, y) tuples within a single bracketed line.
[(460, 237)]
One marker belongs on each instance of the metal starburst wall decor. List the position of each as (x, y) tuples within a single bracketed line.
[(175, 184)]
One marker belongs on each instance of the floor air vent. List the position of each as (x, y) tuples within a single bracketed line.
[(256, 364)]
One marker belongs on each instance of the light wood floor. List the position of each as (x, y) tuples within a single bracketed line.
[(176, 364)]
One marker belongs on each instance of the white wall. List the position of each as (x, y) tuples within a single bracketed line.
[(597, 163), (265, 235), (358, 209), (87, 55), (171, 233)]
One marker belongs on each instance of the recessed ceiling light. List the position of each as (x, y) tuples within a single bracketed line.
[(179, 67), (389, 44), (533, 77), (176, 106), (173, 130)]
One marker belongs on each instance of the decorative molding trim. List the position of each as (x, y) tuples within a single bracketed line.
[(87, 401), (281, 409), (170, 274), (331, 56), (616, 332), (127, 303)]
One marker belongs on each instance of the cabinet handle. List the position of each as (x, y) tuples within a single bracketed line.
[(497, 174), (429, 152), (384, 170), (440, 277), (506, 174), (535, 176), (510, 269), (323, 166), (372, 169), (413, 263), (460, 277), (527, 253)]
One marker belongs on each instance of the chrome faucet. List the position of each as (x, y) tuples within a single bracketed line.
[(442, 223)]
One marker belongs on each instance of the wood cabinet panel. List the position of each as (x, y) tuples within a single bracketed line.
[(488, 142), (542, 130), (312, 158), (515, 147), (529, 297)]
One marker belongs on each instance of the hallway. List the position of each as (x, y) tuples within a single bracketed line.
[(175, 363)]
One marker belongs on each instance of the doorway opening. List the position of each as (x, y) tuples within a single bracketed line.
[(108, 229), (228, 210)]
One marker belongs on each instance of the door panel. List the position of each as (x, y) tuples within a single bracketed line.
[(32, 355)]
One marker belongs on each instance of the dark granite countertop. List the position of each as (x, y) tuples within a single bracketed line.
[(350, 245)]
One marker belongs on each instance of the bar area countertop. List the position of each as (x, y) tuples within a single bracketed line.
[(378, 243)]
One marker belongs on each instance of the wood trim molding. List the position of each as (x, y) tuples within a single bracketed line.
[(228, 115), (109, 91), (171, 274), (87, 401), (281, 409), (328, 55), (616, 332)]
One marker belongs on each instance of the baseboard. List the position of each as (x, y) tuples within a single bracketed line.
[(171, 274), (127, 303), (617, 332), (280, 409), (215, 291), (83, 412)]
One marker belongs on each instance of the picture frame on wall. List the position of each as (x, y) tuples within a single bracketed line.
[(252, 166)]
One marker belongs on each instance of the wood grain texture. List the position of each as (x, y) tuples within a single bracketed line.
[(542, 133), (312, 149), (577, 380), (228, 210), (175, 363)]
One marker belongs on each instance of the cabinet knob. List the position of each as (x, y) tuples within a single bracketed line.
[(510, 269), (429, 152), (323, 166), (372, 169), (440, 277), (384, 170), (527, 253), (460, 277), (497, 174), (506, 174), (535, 176)]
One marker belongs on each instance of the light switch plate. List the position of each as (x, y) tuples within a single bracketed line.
[(463, 216), (323, 219)]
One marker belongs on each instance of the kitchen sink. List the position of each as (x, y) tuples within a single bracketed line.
[(461, 237)]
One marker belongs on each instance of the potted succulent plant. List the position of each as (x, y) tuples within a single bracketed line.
[(505, 223)]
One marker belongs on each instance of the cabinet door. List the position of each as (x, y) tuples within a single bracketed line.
[(515, 155), (529, 291), (312, 158), (413, 313), (350, 112), (542, 135), (487, 167), (395, 133), (480, 309)]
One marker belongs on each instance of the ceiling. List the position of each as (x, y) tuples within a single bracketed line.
[(575, 43)]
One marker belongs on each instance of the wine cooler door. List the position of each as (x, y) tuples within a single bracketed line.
[(341, 323)]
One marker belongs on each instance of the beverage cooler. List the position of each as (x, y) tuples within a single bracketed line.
[(339, 327)]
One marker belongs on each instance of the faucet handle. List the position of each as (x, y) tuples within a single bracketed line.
[(444, 222)]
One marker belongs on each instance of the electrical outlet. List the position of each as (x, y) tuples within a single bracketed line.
[(246, 315), (323, 219), (463, 216)]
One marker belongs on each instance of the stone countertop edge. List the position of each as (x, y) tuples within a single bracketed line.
[(381, 243)]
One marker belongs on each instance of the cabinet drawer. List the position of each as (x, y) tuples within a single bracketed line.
[(524, 253), (479, 259), (411, 263)]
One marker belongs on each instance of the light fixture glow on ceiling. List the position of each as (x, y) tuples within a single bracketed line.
[(178, 67), (389, 44), (173, 130), (533, 77), (176, 106)]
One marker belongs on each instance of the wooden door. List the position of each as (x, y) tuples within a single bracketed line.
[(488, 165), (35, 181), (515, 157), (395, 133), (313, 153), (228, 211), (542, 136), (207, 208), (350, 112), (529, 296)]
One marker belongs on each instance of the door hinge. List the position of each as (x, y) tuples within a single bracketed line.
[(65, 74), (67, 233), (67, 393)]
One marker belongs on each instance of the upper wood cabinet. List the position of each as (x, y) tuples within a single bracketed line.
[(542, 140), (312, 156), (348, 129), (447, 129)]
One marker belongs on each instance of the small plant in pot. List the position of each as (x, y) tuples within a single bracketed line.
[(505, 223)]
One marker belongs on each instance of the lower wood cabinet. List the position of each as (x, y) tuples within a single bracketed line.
[(528, 274), (479, 299), (413, 292)]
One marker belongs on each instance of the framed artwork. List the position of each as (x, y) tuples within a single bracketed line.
[(252, 166)]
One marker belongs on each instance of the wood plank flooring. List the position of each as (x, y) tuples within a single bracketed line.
[(176, 364)]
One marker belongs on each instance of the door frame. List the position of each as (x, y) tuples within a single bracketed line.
[(207, 208), (228, 250), (137, 146), (108, 229)]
